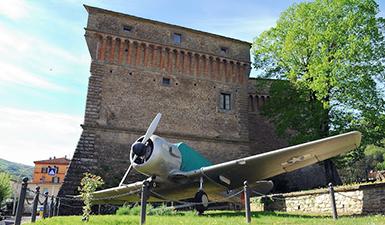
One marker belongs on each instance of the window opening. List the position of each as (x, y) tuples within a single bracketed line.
[(127, 28), (224, 50), (225, 101), (166, 81), (177, 38)]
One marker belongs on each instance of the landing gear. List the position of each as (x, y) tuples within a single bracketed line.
[(201, 197)]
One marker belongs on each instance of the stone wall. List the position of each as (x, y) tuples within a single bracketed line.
[(350, 200)]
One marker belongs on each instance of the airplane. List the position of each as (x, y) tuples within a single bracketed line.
[(178, 172)]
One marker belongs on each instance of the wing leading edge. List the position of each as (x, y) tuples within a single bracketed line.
[(262, 166), (118, 195)]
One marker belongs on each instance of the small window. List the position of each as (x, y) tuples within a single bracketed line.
[(177, 38), (225, 101), (166, 81), (224, 50), (44, 170), (127, 28), (55, 180)]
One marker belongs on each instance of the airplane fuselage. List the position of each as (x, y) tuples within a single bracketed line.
[(169, 158)]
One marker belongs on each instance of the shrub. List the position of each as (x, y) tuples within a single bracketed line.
[(88, 185), (5, 186)]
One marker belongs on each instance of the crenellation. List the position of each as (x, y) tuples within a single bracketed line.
[(127, 51), (121, 51), (138, 52), (109, 49)]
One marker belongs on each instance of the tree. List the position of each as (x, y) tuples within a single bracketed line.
[(88, 185), (5, 186), (331, 53), (375, 157)]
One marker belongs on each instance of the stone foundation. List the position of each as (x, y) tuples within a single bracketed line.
[(350, 200)]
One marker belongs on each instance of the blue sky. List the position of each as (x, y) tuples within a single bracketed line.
[(44, 61)]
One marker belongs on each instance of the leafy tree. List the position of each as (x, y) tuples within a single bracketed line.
[(331, 53), (5, 186), (88, 185), (375, 157)]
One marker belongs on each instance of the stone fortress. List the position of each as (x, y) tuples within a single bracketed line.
[(199, 82)]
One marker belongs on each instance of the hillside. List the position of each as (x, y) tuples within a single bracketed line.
[(16, 169)]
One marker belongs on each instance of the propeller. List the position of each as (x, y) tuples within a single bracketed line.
[(140, 148)]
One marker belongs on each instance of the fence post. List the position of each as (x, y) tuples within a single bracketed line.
[(51, 204), (35, 203), (333, 201), (58, 207), (45, 205), (55, 206), (14, 204), (143, 202), (20, 205), (247, 202)]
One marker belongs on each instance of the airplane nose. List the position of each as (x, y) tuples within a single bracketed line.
[(139, 149)]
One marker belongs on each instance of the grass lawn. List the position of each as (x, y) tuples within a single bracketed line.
[(216, 217)]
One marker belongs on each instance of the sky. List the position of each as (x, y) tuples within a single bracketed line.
[(44, 61)]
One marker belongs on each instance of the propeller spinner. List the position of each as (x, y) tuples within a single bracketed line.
[(142, 149)]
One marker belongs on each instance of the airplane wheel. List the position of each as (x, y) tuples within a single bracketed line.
[(201, 197)]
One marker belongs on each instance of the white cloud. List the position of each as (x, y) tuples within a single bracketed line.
[(11, 74), (27, 136), (21, 45), (26, 59), (14, 9)]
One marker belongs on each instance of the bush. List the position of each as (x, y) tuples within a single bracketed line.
[(5, 186), (88, 185), (129, 210)]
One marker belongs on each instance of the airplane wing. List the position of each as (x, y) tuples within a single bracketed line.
[(118, 195), (232, 174)]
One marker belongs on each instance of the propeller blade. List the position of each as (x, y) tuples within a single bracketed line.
[(151, 128), (128, 171)]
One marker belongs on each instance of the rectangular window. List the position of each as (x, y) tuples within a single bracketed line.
[(177, 38), (225, 101), (44, 170), (224, 50), (166, 81), (55, 180), (127, 28)]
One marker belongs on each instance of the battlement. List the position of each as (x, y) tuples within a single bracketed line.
[(122, 39)]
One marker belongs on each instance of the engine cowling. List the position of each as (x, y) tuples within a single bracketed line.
[(160, 159)]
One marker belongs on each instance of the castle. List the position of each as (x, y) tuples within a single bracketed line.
[(200, 83)]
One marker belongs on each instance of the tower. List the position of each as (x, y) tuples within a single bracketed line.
[(199, 81)]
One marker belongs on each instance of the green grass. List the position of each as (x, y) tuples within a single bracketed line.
[(215, 218)]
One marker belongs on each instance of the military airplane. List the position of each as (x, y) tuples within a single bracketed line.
[(179, 172)]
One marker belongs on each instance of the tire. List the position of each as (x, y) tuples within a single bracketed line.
[(201, 197)]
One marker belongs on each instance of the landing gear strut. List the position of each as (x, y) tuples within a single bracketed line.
[(201, 197)]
